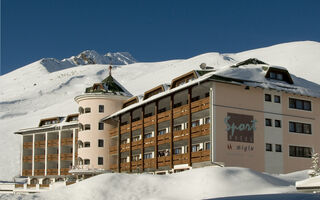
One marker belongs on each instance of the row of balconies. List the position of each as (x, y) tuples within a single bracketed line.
[(165, 138), (199, 156), (51, 143), (41, 172), (50, 157), (196, 106)]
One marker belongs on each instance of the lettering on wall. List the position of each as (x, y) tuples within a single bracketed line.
[(240, 128)]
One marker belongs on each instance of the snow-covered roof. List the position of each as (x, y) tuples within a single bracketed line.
[(251, 72)]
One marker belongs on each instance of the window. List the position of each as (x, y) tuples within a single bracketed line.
[(136, 138), (148, 135), (299, 104), (87, 127), (177, 150), (147, 155), (296, 151), (277, 123), (207, 120), (195, 123), (272, 75), (100, 143), (207, 145), (87, 161), (136, 157), (100, 160), (87, 144), (267, 97), (177, 127), (101, 126), (276, 76), (278, 148), (123, 160), (81, 110), (101, 108), (268, 147), (87, 110), (297, 127), (195, 148), (161, 132), (279, 76), (268, 122), (277, 99)]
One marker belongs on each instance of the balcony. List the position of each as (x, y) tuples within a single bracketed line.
[(40, 144), (113, 149), (52, 172), (64, 171), (200, 156), (53, 143), (149, 163), (113, 166), (136, 145), (27, 158), (199, 105), (149, 142), (52, 157), (27, 172), (180, 159), (39, 172), (125, 166), (124, 147), (180, 135), (165, 138), (125, 128), (39, 158), (66, 156), (27, 145), (136, 125), (66, 141), (44, 185), (200, 130), (113, 132), (165, 116), (180, 111), (136, 165), (163, 161), (149, 121)]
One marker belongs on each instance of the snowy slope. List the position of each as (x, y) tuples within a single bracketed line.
[(203, 183), (33, 92)]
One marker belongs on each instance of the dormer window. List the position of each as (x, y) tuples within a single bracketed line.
[(279, 74)]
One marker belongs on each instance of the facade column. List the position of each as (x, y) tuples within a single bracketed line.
[(33, 152), (119, 143), (73, 147), (130, 144), (142, 139), (59, 153), (171, 130), (156, 135), (189, 125), (46, 154)]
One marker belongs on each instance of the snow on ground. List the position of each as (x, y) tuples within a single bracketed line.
[(39, 90), (201, 183)]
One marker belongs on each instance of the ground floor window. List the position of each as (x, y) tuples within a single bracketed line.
[(268, 147), (100, 160), (296, 151), (278, 148), (87, 161), (207, 145)]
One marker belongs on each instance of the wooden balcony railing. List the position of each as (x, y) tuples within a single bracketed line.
[(113, 149), (149, 121), (199, 105), (39, 158), (27, 145), (136, 144), (44, 185), (164, 116), (53, 143), (200, 156), (149, 163), (27, 172), (124, 147), (52, 157), (180, 135), (113, 132), (149, 142), (27, 158), (125, 128), (66, 156), (31, 185), (18, 185), (165, 138), (200, 130), (113, 166), (40, 144), (180, 159), (66, 141), (52, 172), (39, 172), (137, 125), (136, 165), (125, 166), (163, 161), (180, 111), (64, 171)]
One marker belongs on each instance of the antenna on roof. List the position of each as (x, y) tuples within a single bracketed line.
[(110, 68)]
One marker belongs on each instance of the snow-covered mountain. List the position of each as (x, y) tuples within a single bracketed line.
[(47, 87)]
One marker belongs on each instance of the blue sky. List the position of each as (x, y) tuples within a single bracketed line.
[(150, 30)]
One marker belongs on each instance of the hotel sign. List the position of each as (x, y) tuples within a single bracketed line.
[(240, 127)]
